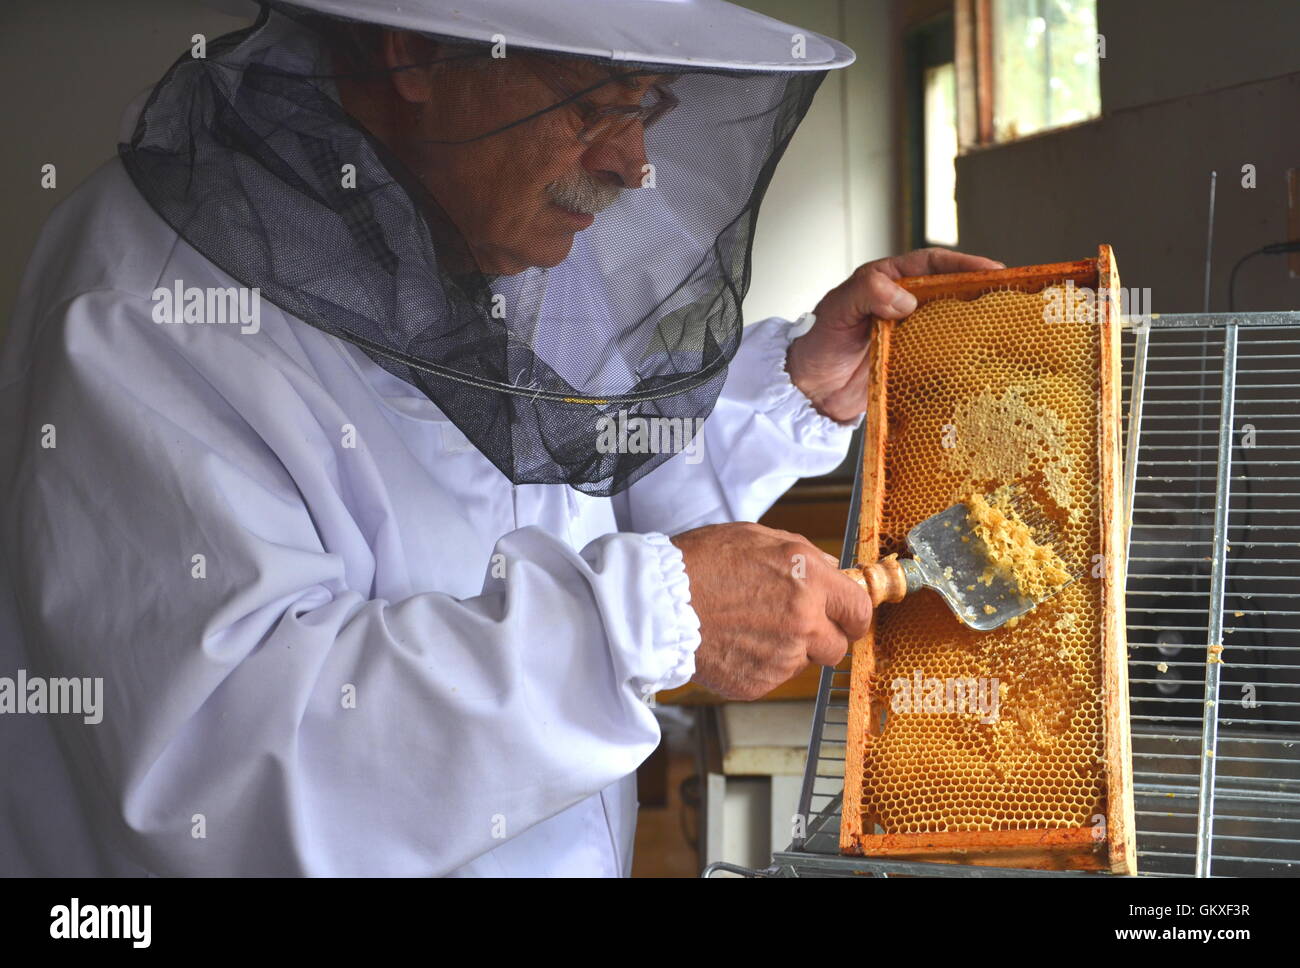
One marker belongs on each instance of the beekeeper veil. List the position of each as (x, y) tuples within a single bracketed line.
[(539, 214)]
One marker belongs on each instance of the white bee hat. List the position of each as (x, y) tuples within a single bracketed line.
[(687, 33)]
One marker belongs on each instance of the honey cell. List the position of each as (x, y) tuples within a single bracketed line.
[(982, 392)]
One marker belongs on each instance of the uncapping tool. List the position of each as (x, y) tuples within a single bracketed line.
[(951, 558)]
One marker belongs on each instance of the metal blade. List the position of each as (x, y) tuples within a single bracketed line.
[(954, 561)]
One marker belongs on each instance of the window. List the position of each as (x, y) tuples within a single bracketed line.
[(991, 71), (1025, 66), (1044, 56), (940, 154), (931, 84)]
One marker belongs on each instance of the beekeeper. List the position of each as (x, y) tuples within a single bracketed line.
[(370, 429)]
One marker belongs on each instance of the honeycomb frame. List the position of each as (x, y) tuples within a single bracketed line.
[(1024, 838)]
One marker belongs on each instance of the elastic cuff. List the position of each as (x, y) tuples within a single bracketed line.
[(785, 400), (681, 635)]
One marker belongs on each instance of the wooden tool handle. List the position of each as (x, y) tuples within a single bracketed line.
[(884, 580)]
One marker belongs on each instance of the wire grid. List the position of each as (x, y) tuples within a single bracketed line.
[(1212, 474)]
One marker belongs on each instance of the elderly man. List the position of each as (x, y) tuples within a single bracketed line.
[(362, 588)]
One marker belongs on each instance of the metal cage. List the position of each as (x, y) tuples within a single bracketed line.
[(1212, 481)]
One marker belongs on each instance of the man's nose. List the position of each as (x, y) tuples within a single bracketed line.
[(619, 158)]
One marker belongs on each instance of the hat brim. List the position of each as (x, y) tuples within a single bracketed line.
[(701, 34)]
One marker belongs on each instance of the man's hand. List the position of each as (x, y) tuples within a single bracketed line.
[(769, 603), (828, 363)]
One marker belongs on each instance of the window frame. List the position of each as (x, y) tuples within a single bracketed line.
[(973, 21)]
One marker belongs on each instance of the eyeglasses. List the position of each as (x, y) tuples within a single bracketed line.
[(610, 120)]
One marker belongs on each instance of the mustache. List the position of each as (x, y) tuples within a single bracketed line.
[(582, 193)]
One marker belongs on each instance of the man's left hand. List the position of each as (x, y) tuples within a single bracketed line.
[(829, 362)]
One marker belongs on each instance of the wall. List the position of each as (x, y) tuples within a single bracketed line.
[(68, 69), (1162, 49), (831, 204), (1187, 87)]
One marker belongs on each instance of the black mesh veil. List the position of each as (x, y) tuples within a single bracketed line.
[(496, 253)]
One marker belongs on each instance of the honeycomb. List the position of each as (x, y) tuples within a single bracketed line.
[(980, 393)]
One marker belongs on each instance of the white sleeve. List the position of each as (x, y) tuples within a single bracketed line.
[(762, 436), (312, 728)]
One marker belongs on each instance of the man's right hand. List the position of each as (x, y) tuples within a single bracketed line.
[(769, 603)]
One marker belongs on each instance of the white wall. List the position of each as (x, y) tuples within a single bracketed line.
[(831, 204)]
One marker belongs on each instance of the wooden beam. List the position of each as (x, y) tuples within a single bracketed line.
[(985, 87)]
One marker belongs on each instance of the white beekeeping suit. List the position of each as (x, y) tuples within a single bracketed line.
[(333, 637)]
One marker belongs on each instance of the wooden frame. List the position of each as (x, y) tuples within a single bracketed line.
[(1062, 848)]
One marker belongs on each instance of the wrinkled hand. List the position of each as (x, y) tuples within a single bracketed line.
[(829, 362), (769, 603)]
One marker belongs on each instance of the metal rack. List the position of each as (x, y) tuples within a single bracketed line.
[(1212, 484)]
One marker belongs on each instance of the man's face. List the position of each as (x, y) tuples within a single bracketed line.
[(520, 195)]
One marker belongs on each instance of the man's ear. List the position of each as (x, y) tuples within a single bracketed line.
[(412, 60)]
